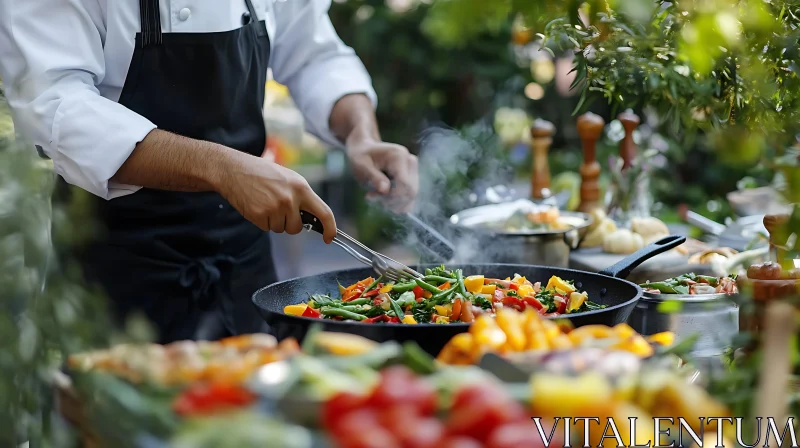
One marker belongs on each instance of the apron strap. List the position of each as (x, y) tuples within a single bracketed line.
[(150, 16), (261, 28)]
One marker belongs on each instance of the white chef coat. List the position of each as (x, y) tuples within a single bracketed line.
[(64, 62)]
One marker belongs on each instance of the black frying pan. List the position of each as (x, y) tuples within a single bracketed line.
[(606, 288)]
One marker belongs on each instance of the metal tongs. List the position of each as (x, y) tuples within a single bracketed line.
[(383, 265)]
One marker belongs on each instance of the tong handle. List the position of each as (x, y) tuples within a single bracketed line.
[(311, 222)]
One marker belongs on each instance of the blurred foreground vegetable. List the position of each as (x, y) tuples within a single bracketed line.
[(513, 332)]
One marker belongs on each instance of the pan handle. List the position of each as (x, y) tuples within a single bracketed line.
[(624, 267)]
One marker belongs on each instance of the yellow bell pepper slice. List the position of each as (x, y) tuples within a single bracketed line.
[(427, 294), (558, 284), (474, 283), (409, 319), (442, 320), (511, 323), (665, 338), (387, 288), (488, 289), (444, 310), (520, 280), (580, 334), (576, 300), (345, 344), (463, 342), (525, 291), (624, 330), (295, 310)]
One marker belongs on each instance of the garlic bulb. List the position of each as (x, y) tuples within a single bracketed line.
[(596, 236), (649, 227), (623, 241)]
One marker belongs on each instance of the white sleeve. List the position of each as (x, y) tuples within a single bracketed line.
[(313, 62), (51, 60)]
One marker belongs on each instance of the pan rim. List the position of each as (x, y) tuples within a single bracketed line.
[(636, 298)]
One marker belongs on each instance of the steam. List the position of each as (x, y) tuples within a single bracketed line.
[(456, 168)]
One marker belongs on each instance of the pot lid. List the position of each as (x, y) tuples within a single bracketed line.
[(508, 218)]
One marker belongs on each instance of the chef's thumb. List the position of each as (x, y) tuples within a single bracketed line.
[(375, 178)]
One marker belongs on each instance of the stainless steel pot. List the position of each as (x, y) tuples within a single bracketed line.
[(478, 239), (713, 317)]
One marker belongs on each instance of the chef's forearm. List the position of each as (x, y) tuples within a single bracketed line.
[(353, 117), (167, 161)]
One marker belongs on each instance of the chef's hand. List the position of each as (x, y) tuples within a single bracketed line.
[(389, 169), (271, 196)]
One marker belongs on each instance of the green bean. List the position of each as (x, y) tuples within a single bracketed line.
[(374, 284), (437, 278), (404, 287), (427, 286), (667, 288), (396, 308), (428, 271), (341, 313), (444, 294), (361, 301), (460, 282)]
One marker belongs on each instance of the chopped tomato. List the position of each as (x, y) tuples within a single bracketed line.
[(478, 410), (498, 295), (418, 292), (533, 303), (376, 319), (425, 433), (514, 302), (311, 312)]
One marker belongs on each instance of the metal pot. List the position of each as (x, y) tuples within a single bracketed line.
[(713, 317), (478, 238)]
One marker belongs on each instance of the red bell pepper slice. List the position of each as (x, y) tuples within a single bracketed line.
[(204, 399), (561, 304), (394, 320), (372, 293), (311, 312), (376, 319), (533, 303), (513, 286), (418, 292)]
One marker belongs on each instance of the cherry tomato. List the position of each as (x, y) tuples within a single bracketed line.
[(519, 435), (459, 442), (396, 418), (418, 292), (368, 437), (391, 388), (203, 398), (425, 433), (354, 421), (422, 396), (476, 413), (338, 406)]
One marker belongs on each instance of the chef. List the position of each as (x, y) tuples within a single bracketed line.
[(155, 107)]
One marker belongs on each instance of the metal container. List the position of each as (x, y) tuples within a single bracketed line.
[(478, 240), (713, 317)]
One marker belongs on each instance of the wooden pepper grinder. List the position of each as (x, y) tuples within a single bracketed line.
[(541, 138), (590, 128), (627, 147)]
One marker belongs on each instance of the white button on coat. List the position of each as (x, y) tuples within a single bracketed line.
[(184, 14)]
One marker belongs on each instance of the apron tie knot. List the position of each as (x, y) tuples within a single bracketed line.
[(201, 274)]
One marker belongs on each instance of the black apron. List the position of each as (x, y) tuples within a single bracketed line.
[(184, 257)]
